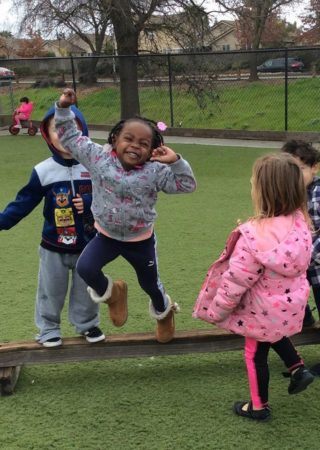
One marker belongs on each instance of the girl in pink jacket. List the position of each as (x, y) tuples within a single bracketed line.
[(23, 112), (258, 287)]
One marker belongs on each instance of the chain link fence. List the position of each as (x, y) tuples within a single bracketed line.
[(189, 90)]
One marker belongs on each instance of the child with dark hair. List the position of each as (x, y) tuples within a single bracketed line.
[(23, 112), (127, 175), (65, 187), (308, 158)]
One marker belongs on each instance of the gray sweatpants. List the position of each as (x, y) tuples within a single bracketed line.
[(53, 282)]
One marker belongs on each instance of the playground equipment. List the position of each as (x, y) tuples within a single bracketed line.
[(7, 108), (23, 112), (14, 355), (25, 124)]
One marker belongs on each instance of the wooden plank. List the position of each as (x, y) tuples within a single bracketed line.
[(131, 346), (8, 379)]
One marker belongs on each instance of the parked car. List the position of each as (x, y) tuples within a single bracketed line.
[(6, 74), (279, 65)]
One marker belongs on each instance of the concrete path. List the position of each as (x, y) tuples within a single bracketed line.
[(94, 134), (204, 141)]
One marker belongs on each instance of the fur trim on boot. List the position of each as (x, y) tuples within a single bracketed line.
[(165, 321), (103, 299), (116, 297)]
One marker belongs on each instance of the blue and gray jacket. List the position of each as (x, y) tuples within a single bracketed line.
[(57, 181)]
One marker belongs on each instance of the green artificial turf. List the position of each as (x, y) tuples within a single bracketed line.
[(158, 403)]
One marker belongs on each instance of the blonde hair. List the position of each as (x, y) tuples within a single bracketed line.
[(278, 187)]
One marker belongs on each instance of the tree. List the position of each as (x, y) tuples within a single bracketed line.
[(275, 34), (7, 47), (4, 48), (88, 20), (6, 34), (126, 18), (129, 18), (253, 15), (311, 23), (5, 44), (189, 29), (81, 17), (31, 47)]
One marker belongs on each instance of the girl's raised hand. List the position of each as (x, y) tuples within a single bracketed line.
[(68, 98), (164, 155)]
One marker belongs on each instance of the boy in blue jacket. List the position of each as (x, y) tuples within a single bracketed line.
[(66, 188)]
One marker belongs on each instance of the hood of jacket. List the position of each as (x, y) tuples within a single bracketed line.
[(82, 125), (281, 246)]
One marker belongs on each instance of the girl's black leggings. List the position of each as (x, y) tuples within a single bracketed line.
[(256, 358), (142, 255)]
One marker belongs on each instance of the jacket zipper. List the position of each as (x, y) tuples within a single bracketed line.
[(72, 183)]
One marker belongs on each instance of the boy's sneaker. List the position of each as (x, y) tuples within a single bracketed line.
[(53, 342), (300, 380), (93, 335)]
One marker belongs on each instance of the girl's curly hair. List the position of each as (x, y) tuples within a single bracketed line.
[(157, 138)]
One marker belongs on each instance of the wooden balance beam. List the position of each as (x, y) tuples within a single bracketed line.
[(14, 355)]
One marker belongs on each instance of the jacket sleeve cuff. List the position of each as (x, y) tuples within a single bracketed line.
[(63, 114), (178, 165)]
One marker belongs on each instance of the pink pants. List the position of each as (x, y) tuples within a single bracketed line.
[(19, 116)]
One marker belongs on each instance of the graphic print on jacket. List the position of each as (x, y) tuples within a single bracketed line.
[(64, 217)]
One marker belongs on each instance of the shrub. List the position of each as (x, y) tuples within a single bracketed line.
[(105, 68), (244, 64), (53, 73), (44, 83), (60, 83), (22, 70)]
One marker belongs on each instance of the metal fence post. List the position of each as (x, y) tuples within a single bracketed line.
[(170, 90), (11, 96), (286, 91), (73, 78), (73, 74)]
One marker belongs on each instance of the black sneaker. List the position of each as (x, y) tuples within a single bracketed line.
[(261, 414), (300, 380), (52, 342), (309, 321), (93, 335)]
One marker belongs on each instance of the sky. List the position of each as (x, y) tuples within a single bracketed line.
[(8, 19)]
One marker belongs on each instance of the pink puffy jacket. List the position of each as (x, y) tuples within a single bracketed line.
[(26, 109), (258, 286)]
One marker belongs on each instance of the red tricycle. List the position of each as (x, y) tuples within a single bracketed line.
[(31, 129)]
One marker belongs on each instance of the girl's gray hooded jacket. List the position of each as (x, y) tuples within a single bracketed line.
[(123, 201)]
